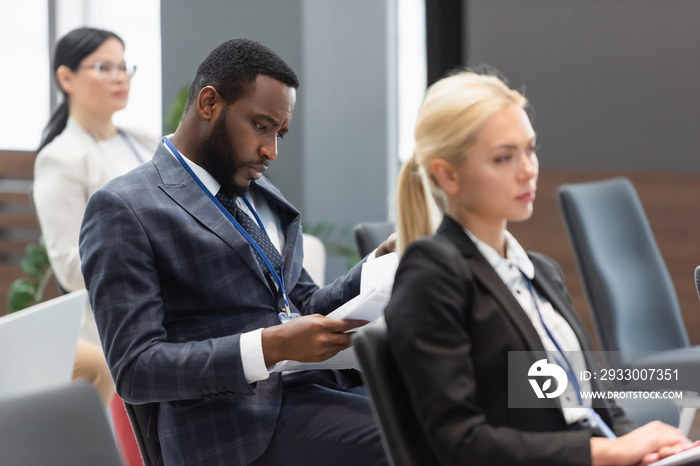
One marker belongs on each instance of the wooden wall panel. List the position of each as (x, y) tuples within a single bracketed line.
[(18, 224)]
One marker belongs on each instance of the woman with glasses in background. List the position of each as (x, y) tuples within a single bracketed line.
[(82, 149)]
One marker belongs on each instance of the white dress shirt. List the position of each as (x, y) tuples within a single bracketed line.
[(511, 269), (124, 152), (252, 356)]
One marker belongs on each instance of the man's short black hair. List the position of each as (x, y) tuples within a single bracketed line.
[(233, 65)]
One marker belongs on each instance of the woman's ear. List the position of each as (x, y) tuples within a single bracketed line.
[(64, 78), (445, 176)]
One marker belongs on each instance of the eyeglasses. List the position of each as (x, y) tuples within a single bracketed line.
[(109, 71)]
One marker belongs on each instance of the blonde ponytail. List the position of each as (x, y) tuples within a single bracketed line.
[(416, 209)]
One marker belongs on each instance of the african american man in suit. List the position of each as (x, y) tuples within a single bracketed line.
[(190, 311)]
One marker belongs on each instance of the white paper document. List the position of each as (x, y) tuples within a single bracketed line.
[(692, 455), (368, 306), (375, 290), (378, 271)]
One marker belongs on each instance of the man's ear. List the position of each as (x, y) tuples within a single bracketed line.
[(445, 175), (64, 78), (209, 103)]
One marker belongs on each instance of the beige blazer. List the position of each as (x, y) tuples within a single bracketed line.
[(66, 173)]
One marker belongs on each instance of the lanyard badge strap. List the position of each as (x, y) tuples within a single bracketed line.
[(594, 419), (285, 315)]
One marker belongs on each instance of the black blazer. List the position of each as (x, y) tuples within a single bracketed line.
[(451, 322)]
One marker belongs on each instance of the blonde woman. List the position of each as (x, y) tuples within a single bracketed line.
[(468, 294), (80, 151)]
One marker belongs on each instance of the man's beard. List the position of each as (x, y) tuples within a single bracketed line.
[(220, 159)]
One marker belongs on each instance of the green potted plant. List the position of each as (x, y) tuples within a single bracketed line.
[(177, 107), (29, 290)]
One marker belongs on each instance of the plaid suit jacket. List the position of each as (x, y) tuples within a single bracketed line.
[(173, 285)]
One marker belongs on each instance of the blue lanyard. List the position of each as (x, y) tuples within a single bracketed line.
[(278, 278), (255, 214), (568, 369), (593, 417)]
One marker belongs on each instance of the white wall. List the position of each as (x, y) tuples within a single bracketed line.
[(24, 58)]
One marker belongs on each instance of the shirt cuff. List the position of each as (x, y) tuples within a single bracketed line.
[(252, 356)]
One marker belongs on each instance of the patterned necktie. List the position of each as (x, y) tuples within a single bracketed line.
[(254, 230)]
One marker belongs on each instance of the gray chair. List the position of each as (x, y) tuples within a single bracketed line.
[(663, 410), (149, 446), (61, 427), (404, 440), (631, 297), (369, 235)]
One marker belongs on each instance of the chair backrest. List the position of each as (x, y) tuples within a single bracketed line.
[(315, 258), (404, 440), (62, 426), (369, 235), (149, 446), (629, 290)]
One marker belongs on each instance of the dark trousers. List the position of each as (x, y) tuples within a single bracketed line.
[(325, 421)]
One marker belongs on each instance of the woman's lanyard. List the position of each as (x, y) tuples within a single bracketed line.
[(286, 314), (128, 142), (131, 146), (567, 366), (593, 417)]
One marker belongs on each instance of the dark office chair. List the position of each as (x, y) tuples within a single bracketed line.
[(149, 447), (61, 427), (629, 290), (404, 441), (369, 235)]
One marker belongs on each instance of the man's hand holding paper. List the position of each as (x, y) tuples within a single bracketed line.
[(375, 291)]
